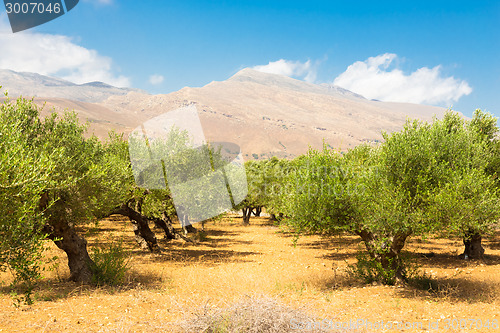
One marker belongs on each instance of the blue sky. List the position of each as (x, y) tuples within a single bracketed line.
[(432, 52)]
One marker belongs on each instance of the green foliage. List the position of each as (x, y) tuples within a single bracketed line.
[(92, 176), (267, 184), (50, 174), (423, 281), (440, 171), (110, 264), (197, 176), (426, 178), (368, 270), (327, 190), (257, 184), (26, 169)]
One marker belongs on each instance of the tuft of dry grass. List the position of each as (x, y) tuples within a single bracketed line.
[(251, 314)]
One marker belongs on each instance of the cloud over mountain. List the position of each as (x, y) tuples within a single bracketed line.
[(302, 70), (373, 79), (156, 79), (55, 55)]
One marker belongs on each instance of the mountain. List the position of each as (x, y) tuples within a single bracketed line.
[(265, 114), (36, 85), (268, 114)]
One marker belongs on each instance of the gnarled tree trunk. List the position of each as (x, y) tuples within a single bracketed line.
[(473, 247), (67, 239), (388, 255), (165, 223), (257, 211), (276, 218), (143, 234), (247, 212)]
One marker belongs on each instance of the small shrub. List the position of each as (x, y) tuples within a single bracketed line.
[(252, 314), (370, 270), (201, 236), (419, 279), (110, 264)]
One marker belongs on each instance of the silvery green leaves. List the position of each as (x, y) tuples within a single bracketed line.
[(204, 179)]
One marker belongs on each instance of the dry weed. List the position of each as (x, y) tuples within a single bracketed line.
[(251, 314)]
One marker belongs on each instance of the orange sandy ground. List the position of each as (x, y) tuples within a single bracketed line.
[(236, 260)]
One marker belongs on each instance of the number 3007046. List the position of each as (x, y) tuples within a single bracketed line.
[(33, 8)]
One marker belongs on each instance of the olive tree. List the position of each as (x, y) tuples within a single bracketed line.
[(424, 179), (276, 190), (179, 177), (485, 130), (266, 188), (70, 180), (25, 171), (256, 197)]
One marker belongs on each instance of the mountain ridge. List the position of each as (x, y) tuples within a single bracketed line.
[(269, 114), (265, 114), (38, 85)]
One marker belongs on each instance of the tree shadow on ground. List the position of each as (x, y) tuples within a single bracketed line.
[(331, 243), (221, 233), (452, 261), (340, 256), (202, 256), (454, 289), (53, 289)]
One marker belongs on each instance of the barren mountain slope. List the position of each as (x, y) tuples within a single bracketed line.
[(266, 114), (269, 114), (36, 85)]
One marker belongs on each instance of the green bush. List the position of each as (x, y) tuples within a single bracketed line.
[(368, 270), (110, 264), (423, 281)]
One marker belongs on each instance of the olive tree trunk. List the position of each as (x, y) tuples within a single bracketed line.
[(143, 234), (473, 247), (387, 253), (247, 212), (276, 218), (257, 211), (165, 223), (67, 239)]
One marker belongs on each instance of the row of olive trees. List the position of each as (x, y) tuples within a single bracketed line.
[(428, 178), (439, 178), (54, 180), (267, 187)]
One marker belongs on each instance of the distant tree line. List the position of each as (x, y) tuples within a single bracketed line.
[(439, 178), (54, 180)]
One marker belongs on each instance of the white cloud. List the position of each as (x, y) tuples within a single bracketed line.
[(156, 79), (100, 2), (54, 55), (372, 79), (297, 69)]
